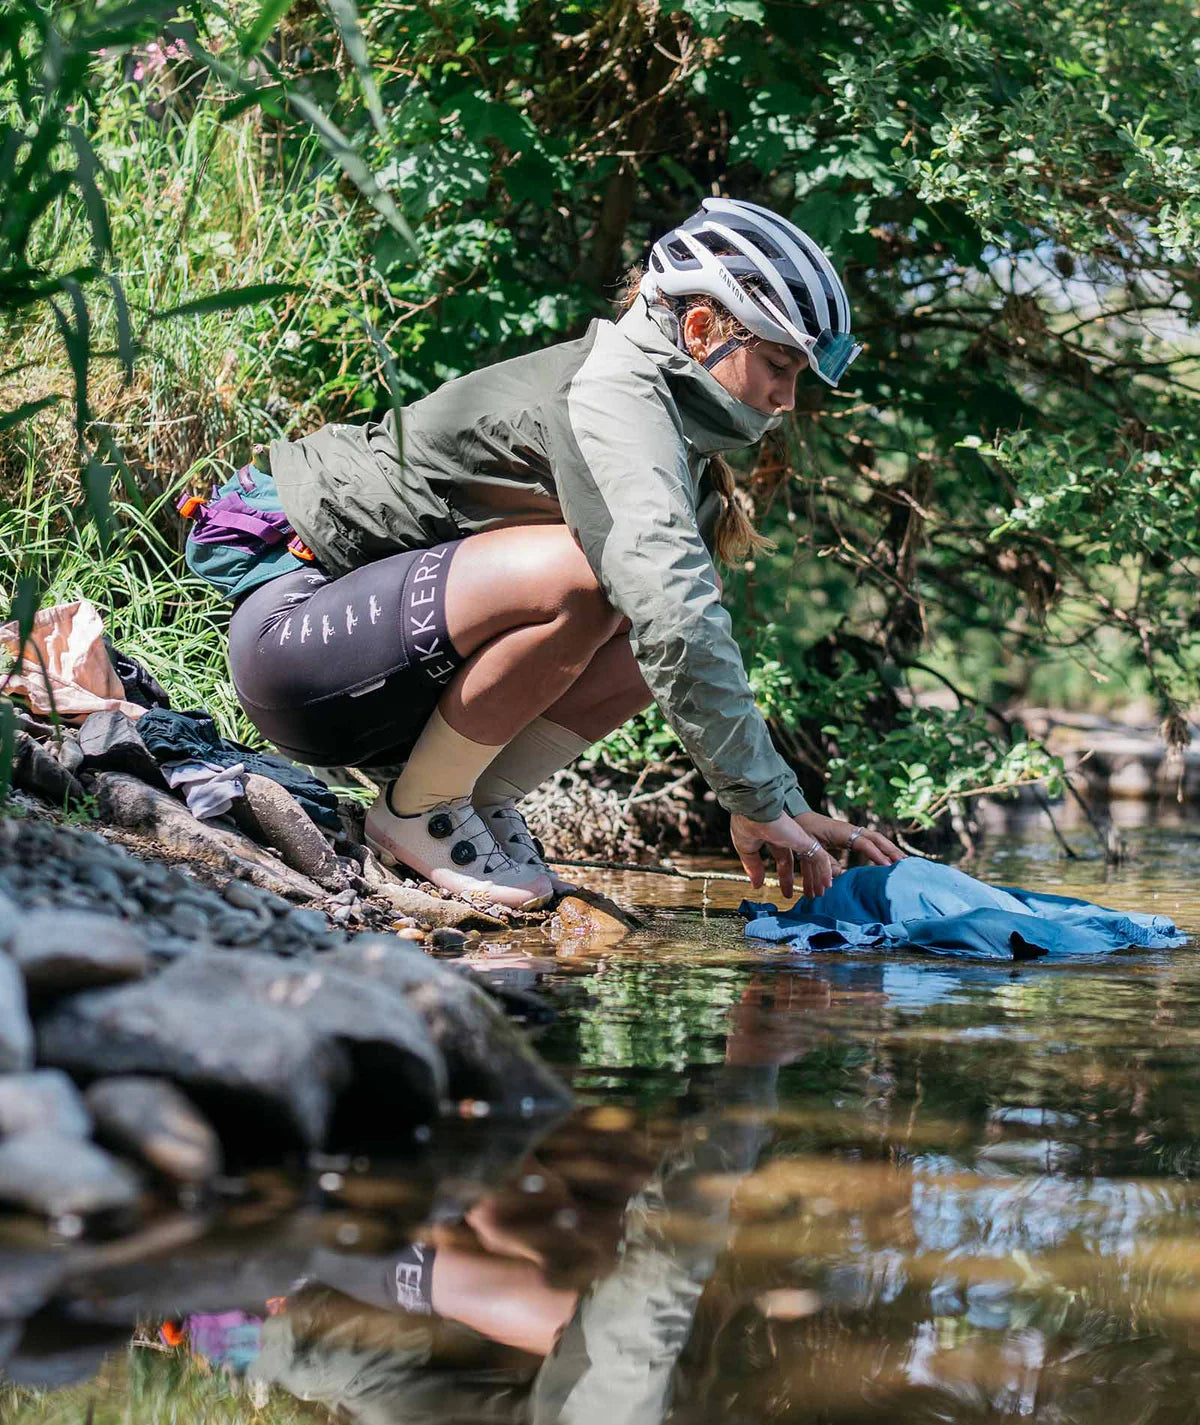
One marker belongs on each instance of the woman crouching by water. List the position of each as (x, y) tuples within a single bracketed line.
[(536, 566)]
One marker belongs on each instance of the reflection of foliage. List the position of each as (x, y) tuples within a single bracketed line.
[(647, 1017)]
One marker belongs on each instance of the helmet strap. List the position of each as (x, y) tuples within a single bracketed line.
[(727, 348)]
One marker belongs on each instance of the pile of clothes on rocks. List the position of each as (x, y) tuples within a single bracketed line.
[(68, 673)]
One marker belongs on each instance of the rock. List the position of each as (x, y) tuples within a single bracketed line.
[(63, 950), (10, 917), (446, 939), (44, 1098), (304, 924), (591, 917), (53, 1173), (260, 1071), (486, 1057), (430, 910), (127, 802), (16, 1032), (189, 921), (64, 747), (109, 742), (34, 770), (273, 816), (260, 1044), (150, 1119)]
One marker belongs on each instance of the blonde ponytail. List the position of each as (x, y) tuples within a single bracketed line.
[(735, 537)]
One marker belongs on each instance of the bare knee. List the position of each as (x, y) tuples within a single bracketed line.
[(577, 596)]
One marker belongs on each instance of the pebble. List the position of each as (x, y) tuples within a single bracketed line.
[(244, 897), (43, 1098), (307, 923), (189, 920)]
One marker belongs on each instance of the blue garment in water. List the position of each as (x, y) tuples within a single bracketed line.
[(927, 906)]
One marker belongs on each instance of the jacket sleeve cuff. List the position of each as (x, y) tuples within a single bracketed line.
[(764, 806)]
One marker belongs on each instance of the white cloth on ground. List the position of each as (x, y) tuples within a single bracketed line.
[(210, 788)]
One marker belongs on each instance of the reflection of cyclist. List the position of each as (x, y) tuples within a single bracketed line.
[(536, 563)]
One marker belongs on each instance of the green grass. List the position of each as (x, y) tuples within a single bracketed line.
[(145, 1386)]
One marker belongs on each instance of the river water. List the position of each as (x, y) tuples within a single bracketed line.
[(852, 1188)]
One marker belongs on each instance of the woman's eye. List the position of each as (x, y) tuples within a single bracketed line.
[(779, 367)]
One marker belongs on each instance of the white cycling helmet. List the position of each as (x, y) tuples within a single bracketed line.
[(771, 276)]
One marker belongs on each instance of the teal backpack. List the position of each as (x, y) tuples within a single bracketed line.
[(241, 537)]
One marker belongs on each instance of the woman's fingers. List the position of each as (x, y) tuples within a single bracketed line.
[(878, 849), (785, 868), (752, 864)]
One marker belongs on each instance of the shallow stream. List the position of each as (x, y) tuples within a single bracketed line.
[(852, 1188)]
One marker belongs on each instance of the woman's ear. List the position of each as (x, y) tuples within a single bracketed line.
[(697, 323)]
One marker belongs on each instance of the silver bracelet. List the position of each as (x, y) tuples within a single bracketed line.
[(854, 835)]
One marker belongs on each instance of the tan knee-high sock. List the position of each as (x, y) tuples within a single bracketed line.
[(536, 752), (442, 766)]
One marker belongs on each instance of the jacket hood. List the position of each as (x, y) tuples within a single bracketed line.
[(713, 420)]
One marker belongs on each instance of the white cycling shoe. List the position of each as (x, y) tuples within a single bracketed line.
[(516, 840), (452, 846)]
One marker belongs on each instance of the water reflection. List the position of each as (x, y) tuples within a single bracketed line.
[(844, 1190)]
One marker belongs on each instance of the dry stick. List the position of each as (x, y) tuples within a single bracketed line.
[(650, 870)]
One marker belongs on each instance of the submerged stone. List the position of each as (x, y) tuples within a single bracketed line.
[(45, 1098), (150, 1119), (16, 1032), (55, 1174)]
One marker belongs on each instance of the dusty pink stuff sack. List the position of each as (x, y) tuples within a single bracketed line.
[(65, 668)]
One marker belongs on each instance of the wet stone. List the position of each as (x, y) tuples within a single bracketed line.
[(42, 1099), (16, 1032), (149, 1118), (54, 1173), (272, 1073), (487, 1057), (446, 939), (60, 951)]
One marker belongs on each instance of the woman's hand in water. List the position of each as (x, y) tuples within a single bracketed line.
[(789, 844), (838, 836)]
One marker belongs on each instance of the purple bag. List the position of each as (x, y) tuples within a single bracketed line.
[(230, 520)]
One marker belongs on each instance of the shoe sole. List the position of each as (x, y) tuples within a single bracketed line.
[(389, 860)]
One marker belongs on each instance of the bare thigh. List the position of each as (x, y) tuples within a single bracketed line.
[(507, 578)]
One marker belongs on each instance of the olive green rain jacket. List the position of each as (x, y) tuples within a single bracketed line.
[(612, 434)]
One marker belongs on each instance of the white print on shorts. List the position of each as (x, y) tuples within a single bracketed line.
[(326, 628), (351, 621), (286, 633), (305, 627), (373, 609), (421, 616)]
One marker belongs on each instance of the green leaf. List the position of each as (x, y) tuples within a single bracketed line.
[(8, 746), (345, 17), (20, 413), (228, 301), (97, 499)]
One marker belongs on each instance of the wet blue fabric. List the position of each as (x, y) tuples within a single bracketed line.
[(924, 905)]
